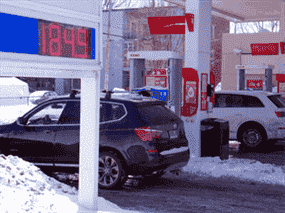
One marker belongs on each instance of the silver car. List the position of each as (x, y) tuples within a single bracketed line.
[(38, 97)]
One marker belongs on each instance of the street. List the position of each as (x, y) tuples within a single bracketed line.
[(193, 193), (200, 194)]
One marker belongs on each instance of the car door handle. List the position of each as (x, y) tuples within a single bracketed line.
[(47, 131)]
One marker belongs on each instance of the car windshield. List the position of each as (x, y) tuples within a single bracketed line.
[(277, 100)]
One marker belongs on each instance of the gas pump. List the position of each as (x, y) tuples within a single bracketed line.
[(190, 91)]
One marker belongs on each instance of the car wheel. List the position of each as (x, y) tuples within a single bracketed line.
[(111, 171), (251, 138)]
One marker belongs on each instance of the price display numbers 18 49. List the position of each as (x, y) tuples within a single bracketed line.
[(61, 40)]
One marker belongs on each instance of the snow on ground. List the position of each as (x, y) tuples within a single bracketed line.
[(243, 169), (28, 189)]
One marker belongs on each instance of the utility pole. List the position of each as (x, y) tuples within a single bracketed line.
[(107, 62)]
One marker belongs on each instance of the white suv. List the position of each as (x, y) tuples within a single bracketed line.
[(254, 116)]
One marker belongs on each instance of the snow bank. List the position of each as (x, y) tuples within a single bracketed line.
[(28, 189), (243, 169)]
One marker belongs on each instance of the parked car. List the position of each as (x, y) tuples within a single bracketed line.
[(138, 136), (254, 117), (38, 97)]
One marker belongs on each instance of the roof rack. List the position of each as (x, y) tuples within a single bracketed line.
[(74, 92), (108, 94)]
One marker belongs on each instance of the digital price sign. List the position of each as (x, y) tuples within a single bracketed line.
[(46, 38), (62, 40)]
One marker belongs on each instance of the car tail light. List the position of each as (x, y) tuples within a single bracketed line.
[(147, 134), (280, 114), (151, 151)]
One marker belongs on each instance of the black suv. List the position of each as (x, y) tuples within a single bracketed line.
[(138, 136)]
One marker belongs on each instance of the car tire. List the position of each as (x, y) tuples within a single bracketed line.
[(111, 172), (252, 138)]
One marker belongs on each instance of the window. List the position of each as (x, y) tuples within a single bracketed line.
[(231, 100), (220, 100), (71, 113), (234, 101), (48, 114), (111, 112), (277, 100), (157, 114), (251, 101), (228, 100), (118, 111)]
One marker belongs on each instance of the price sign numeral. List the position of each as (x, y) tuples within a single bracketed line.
[(43, 39), (82, 34), (56, 38), (54, 41), (70, 41)]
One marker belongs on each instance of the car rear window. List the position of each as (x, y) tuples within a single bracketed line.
[(277, 100), (157, 114)]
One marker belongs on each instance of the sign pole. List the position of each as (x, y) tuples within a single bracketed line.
[(197, 56), (107, 63), (89, 142)]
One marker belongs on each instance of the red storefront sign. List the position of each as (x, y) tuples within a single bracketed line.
[(254, 84), (171, 24), (264, 49)]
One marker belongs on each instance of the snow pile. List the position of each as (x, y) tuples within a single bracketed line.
[(9, 114), (240, 168), (29, 190)]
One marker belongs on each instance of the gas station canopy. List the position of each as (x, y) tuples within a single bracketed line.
[(243, 10), (250, 10)]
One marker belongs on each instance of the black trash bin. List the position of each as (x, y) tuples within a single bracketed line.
[(215, 138)]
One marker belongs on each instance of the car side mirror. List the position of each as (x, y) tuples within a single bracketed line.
[(20, 120)]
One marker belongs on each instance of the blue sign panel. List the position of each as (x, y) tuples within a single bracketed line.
[(34, 36), (18, 34)]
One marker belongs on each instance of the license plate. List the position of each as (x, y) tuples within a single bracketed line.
[(173, 134)]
